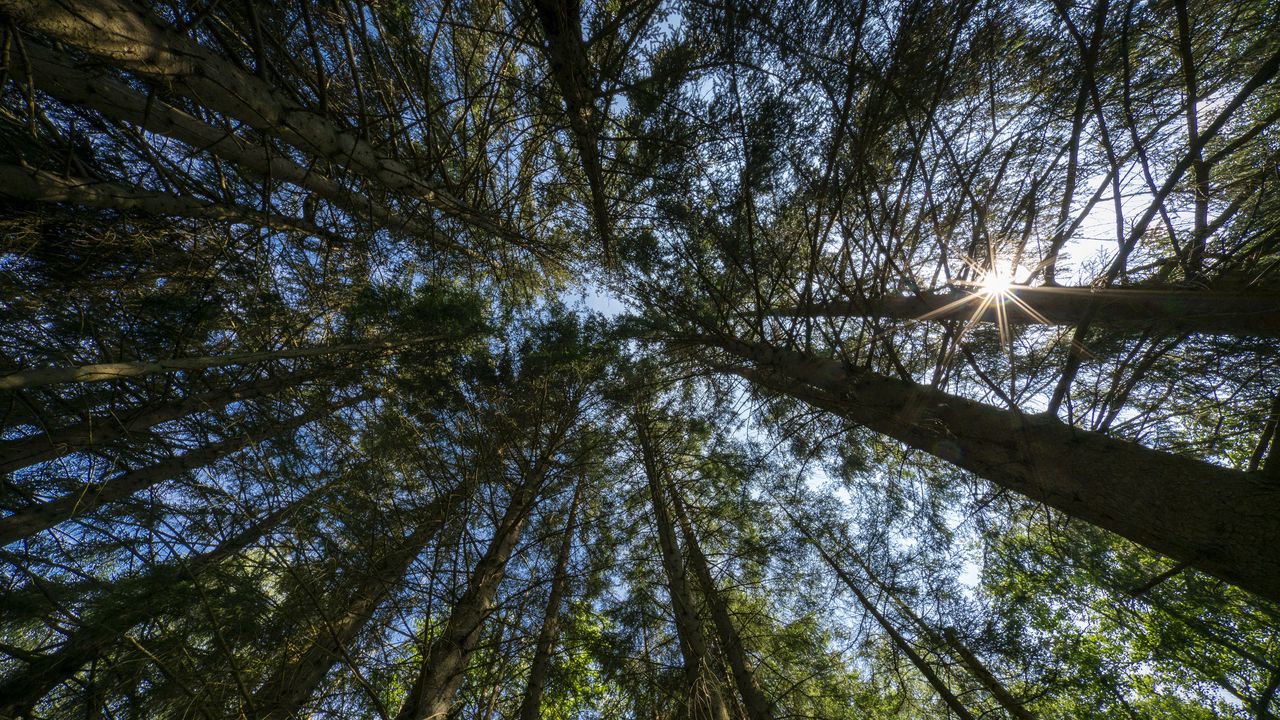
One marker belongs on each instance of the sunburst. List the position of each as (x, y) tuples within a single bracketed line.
[(993, 288)]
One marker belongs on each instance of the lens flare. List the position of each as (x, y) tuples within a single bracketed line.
[(995, 283)]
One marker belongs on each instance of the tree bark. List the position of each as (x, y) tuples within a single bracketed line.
[(103, 372), (138, 601), (285, 692), (698, 667), (531, 705), (947, 638), (129, 37), (444, 663), (1220, 521), (566, 53), (72, 83), (757, 706), (41, 516), (34, 185), (102, 429), (1265, 455), (1169, 312)]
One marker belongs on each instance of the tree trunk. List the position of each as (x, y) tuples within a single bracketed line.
[(1223, 522), (698, 667), (34, 185), (444, 664), (103, 372), (1169, 312), (980, 671), (138, 601), (531, 705), (102, 429), (39, 517), (131, 38), (566, 53), (291, 686), (86, 87), (899, 641), (753, 698), (1265, 455)]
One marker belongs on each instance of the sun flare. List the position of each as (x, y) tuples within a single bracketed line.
[(995, 283)]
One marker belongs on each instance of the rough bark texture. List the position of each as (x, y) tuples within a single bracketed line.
[(1223, 522), (1162, 311), (698, 668), (101, 429), (135, 602), (39, 517)]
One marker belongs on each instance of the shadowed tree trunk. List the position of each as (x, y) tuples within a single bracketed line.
[(698, 666), (33, 185), (531, 705), (444, 663), (126, 35), (100, 91), (757, 706), (1215, 519), (292, 685), (32, 519), (134, 602), (566, 52), (1163, 311), (948, 638), (102, 429)]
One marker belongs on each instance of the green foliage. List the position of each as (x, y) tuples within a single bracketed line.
[(408, 180)]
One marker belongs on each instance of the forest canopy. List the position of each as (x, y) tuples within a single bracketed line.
[(666, 360)]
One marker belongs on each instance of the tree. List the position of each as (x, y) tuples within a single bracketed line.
[(944, 384)]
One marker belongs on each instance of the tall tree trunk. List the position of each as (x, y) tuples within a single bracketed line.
[(444, 664), (292, 685), (566, 53), (979, 670), (899, 641), (39, 517), (1223, 522), (35, 185), (130, 37), (101, 429), (531, 705), (753, 699), (94, 88), (1169, 312), (698, 665), (1266, 456), (136, 601), (103, 372)]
